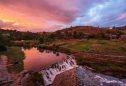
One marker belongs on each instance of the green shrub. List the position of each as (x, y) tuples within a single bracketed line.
[(121, 48), (2, 48)]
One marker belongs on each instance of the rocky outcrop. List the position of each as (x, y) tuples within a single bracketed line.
[(84, 77), (88, 78), (67, 78)]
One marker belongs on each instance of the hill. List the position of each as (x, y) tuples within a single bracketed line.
[(122, 28), (87, 29)]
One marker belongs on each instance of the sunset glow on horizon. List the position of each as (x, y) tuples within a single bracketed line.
[(51, 15)]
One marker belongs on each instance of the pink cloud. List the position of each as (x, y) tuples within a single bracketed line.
[(45, 9), (122, 16), (40, 12)]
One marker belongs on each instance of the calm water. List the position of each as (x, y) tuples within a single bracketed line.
[(36, 60)]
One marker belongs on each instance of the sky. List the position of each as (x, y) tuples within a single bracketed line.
[(51, 15)]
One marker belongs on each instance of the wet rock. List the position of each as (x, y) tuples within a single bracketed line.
[(88, 78), (111, 84)]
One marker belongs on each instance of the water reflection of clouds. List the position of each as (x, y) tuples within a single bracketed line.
[(36, 59)]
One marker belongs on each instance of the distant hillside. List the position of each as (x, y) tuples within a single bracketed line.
[(87, 29), (122, 28)]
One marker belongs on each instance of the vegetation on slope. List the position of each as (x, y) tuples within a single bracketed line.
[(104, 56), (15, 59)]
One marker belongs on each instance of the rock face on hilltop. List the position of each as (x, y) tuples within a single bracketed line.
[(84, 77)]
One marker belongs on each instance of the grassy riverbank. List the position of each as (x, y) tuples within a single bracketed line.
[(96, 46), (15, 59), (104, 56)]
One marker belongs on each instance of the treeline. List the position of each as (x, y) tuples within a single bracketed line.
[(14, 37), (120, 28), (46, 38), (17, 35), (76, 34), (2, 44), (7, 37)]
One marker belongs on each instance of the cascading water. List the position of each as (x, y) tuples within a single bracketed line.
[(50, 73)]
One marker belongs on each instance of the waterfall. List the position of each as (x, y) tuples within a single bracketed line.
[(53, 70)]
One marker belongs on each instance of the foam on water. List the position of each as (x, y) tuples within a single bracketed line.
[(102, 80)]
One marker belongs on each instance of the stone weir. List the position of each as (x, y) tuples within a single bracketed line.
[(52, 71)]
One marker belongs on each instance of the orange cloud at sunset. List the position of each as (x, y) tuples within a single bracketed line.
[(34, 13), (19, 19)]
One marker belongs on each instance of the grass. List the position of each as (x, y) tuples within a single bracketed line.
[(115, 66), (15, 59), (110, 65), (79, 46), (103, 42), (14, 54), (121, 48), (106, 67), (82, 46), (110, 46)]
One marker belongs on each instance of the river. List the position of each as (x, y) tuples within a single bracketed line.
[(48, 63), (36, 60)]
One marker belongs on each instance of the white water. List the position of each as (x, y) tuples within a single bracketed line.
[(51, 72), (102, 79)]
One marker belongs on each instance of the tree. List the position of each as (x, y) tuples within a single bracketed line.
[(75, 34), (2, 46), (45, 39), (90, 36), (100, 35), (78, 35), (114, 27)]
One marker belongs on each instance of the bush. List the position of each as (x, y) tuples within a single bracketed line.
[(100, 35), (2, 48), (36, 79), (91, 36)]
